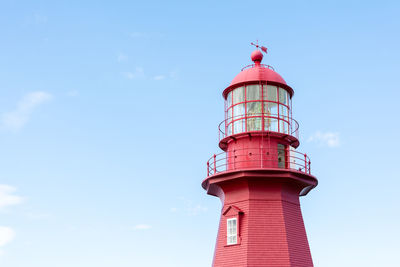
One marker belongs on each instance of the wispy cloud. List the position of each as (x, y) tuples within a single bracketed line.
[(8, 196), (136, 34), (141, 227), (147, 35), (171, 75), (138, 73), (7, 234), (159, 77), (122, 57), (73, 93), (40, 18), (330, 139), (16, 119), (190, 208), (37, 216)]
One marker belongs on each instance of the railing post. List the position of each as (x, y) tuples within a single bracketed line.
[(208, 168), (309, 167), (305, 163), (215, 164)]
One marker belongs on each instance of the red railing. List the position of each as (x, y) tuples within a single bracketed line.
[(265, 158), (291, 126), (262, 65)]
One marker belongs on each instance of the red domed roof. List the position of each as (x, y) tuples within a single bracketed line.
[(256, 73)]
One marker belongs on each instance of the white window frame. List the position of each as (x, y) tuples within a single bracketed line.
[(231, 237)]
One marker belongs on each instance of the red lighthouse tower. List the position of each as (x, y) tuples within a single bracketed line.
[(260, 175)]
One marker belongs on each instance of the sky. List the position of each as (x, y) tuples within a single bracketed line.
[(109, 112)]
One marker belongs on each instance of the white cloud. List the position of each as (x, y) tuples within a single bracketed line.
[(73, 93), (159, 77), (192, 209), (173, 209), (122, 57), (142, 227), (37, 216), (330, 139), (39, 18), (136, 34), (16, 119), (174, 74), (147, 35), (6, 235), (7, 196), (138, 73)]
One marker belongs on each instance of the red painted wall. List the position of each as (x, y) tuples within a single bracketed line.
[(271, 228)]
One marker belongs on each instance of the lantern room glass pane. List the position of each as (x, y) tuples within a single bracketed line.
[(238, 111), (283, 96), (283, 112), (229, 99), (264, 91), (229, 128), (271, 109), (254, 124), (253, 92), (229, 115), (239, 126), (238, 95), (254, 108), (272, 93), (283, 127), (271, 124)]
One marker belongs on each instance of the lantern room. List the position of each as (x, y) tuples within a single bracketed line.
[(258, 130), (258, 100)]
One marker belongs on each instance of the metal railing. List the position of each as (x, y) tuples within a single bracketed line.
[(255, 158), (262, 65), (268, 122)]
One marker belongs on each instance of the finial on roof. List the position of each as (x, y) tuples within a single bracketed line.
[(263, 48), (257, 56)]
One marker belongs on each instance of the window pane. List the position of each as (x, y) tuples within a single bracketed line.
[(264, 91), (254, 124), (238, 111), (281, 156), (283, 95), (231, 231), (238, 126), (254, 108), (283, 127), (272, 93), (253, 92), (271, 109), (238, 95), (229, 99), (229, 129), (283, 112), (228, 115)]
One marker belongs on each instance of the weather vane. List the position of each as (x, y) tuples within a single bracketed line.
[(263, 48)]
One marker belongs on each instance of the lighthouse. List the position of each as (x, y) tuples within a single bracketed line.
[(260, 174)]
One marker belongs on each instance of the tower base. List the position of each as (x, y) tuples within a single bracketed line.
[(270, 229)]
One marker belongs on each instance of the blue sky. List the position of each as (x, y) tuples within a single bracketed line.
[(109, 111)]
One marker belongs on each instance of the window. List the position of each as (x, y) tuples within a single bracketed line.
[(281, 156), (238, 95), (271, 93), (231, 231), (253, 92), (257, 107), (283, 96)]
